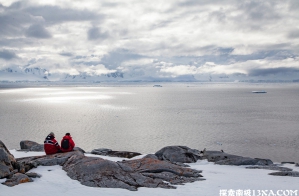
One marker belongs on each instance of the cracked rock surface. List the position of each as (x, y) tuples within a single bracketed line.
[(146, 172)]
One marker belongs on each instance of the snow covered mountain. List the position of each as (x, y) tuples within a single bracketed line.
[(37, 74), (24, 74)]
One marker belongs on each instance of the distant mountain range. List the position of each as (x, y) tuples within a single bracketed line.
[(40, 74), (37, 74)]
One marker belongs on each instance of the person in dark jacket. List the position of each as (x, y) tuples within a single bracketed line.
[(67, 143), (51, 146)]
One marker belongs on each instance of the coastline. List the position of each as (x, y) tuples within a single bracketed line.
[(218, 178)]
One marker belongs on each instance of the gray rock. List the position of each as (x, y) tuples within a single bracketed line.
[(242, 161), (145, 172), (124, 154), (178, 154), (101, 151), (297, 164), (46, 160), (152, 156), (269, 167), (287, 162), (27, 144), (79, 149), (33, 175), (38, 148), (214, 156), (172, 178), (31, 146), (286, 173), (16, 179), (4, 171), (222, 158), (7, 161), (111, 153)]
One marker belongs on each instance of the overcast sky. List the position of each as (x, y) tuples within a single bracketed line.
[(152, 37)]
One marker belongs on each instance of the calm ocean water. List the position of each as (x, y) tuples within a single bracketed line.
[(143, 118)]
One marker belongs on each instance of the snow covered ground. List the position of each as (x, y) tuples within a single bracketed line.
[(229, 180)]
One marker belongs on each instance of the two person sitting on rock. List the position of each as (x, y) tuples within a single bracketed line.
[(67, 143), (51, 146)]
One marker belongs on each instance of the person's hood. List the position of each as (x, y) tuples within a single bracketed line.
[(50, 137), (67, 137)]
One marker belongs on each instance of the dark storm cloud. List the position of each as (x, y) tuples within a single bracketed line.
[(272, 71), (38, 31), (96, 33), (7, 55), (55, 14)]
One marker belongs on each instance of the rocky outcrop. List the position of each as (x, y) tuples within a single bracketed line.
[(152, 156), (46, 160), (31, 146), (111, 153), (146, 172), (163, 169), (9, 168), (98, 172), (23, 165), (270, 167), (7, 161), (178, 154), (16, 179), (79, 149), (33, 175), (286, 173), (101, 151), (222, 158)]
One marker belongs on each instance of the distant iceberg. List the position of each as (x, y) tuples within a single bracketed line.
[(157, 85), (259, 91)]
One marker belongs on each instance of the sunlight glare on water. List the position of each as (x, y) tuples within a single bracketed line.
[(144, 119)]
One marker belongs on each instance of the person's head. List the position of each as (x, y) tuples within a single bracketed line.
[(52, 134), (68, 134)]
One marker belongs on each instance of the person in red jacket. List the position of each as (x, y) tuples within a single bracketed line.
[(67, 143), (51, 146)]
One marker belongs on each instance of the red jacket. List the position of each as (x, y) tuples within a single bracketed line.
[(51, 146), (71, 143)]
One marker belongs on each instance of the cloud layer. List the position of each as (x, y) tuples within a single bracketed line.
[(236, 39)]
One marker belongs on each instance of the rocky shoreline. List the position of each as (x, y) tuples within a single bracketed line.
[(165, 168)]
